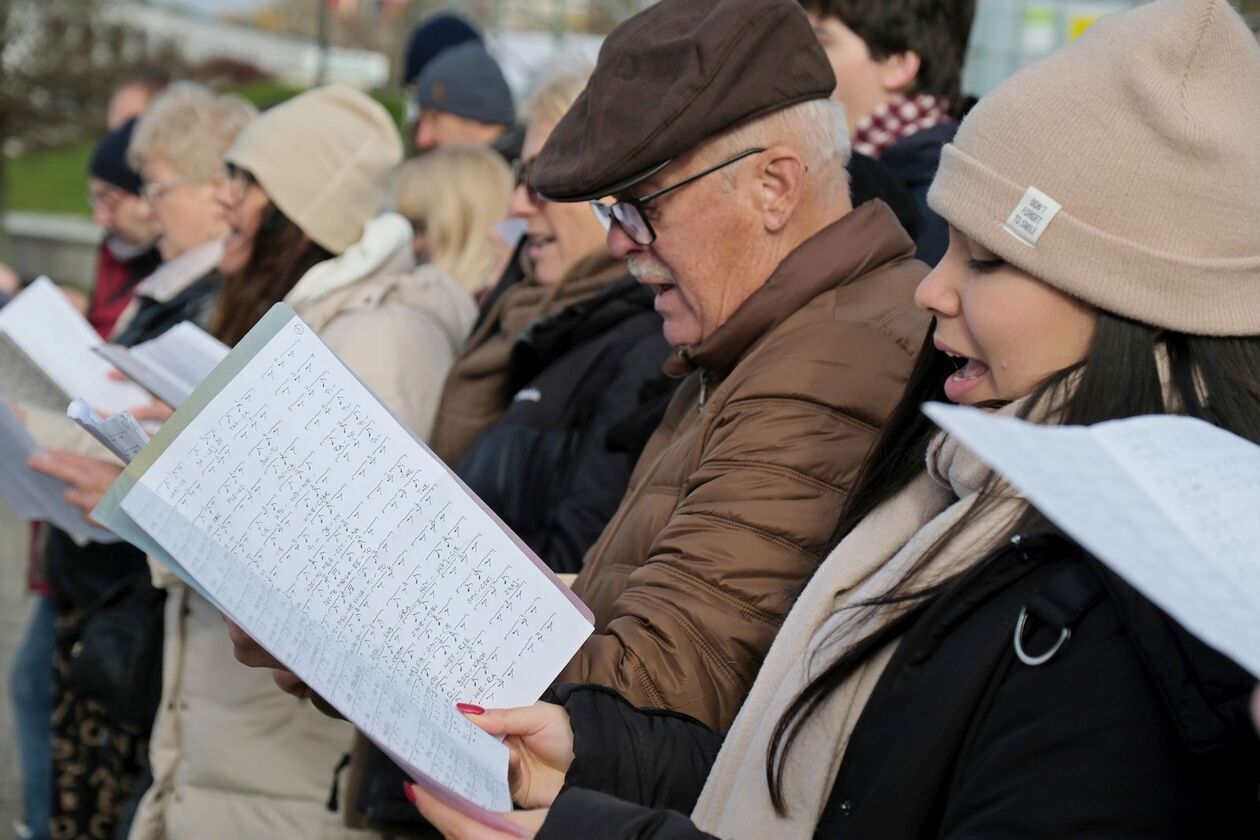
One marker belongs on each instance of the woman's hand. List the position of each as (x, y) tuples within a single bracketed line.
[(89, 478), (456, 825), (541, 743)]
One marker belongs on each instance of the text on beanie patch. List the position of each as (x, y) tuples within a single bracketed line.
[(1031, 216)]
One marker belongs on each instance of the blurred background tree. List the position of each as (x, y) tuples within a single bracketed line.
[(59, 60)]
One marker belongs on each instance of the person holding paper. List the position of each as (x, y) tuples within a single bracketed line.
[(232, 755), (178, 148), (956, 667), (161, 163), (792, 324)]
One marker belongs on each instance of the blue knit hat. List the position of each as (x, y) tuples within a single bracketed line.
[(435, 35), (466, 81), (109, 160)]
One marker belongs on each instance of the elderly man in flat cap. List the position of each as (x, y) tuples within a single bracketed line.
[(708, 145)]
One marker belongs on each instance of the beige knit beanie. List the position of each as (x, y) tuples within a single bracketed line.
[(1124, 169), (323, 158)]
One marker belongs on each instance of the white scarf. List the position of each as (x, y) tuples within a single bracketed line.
[(876, 555)]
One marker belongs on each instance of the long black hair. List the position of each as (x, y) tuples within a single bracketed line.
[(1213, 379)]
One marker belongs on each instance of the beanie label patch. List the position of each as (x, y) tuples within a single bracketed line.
[(1031, 216)]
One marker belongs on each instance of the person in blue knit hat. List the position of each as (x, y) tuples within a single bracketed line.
[(464, 98)]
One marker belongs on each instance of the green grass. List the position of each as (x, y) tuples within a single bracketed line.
[(56, 181), (50, 182)]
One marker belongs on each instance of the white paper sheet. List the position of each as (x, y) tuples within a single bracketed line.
[(33, 495), (170, 366), (120, 434), (350, 552), (23, 383), (57, 338), (1171, 504)]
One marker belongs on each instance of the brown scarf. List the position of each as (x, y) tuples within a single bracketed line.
[(475, 396), (873, 559)]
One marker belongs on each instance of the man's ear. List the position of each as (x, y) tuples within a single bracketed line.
[(781, 184), (899, 71)]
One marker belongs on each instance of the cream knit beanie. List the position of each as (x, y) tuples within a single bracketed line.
[(1124, 169), (323, 158)]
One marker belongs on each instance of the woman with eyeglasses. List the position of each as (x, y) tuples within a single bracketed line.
[(301, 193), (299, 198)]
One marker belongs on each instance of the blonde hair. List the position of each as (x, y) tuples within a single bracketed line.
[(190, 129), (458, 192), (557, 93)]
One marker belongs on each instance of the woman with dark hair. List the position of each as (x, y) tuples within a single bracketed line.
[(1101, 265)]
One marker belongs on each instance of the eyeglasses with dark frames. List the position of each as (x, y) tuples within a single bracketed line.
[(521, 170), (628, 212), (237, 180)]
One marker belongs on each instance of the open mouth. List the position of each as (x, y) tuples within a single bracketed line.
[(968, 374)]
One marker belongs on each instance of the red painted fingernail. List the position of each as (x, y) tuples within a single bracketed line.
[(409, 793), (470, 709)]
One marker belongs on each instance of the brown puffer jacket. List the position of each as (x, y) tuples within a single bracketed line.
[(735, 498), (475, 394)]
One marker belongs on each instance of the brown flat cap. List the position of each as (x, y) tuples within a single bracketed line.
[(670, 77)]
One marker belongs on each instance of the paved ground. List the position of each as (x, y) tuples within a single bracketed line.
[(14, 604)]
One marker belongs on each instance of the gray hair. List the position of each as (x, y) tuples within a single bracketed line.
[(818, 128), (189, 129)]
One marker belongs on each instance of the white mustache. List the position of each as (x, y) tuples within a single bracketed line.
[(645, 270)]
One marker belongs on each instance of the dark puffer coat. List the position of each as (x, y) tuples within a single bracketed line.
[(1133, 728), (547, 467)]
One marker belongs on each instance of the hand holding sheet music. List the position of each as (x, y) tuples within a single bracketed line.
[(33, 495), (341, 544), (1169, 503)]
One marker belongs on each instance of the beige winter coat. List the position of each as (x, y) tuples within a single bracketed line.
[(232, 755)]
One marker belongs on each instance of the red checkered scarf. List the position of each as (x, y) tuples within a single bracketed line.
[(896, 120)]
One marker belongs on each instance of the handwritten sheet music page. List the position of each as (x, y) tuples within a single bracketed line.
[(56, 338), (171, 366), (349, 551), (1170, 503)]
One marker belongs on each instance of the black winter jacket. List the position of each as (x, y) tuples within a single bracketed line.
[(914, 161), (547, 467), (1133, 728)]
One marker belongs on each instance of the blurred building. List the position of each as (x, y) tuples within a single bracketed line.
[(1008, 34), (289, 58)]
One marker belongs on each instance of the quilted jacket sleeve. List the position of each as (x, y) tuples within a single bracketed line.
[(779, 449)]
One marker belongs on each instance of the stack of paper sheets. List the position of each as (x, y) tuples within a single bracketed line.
[(291, 498), (46, 356), (170, 366)]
